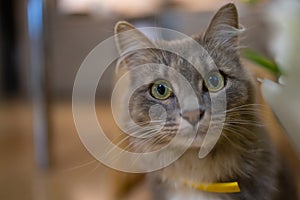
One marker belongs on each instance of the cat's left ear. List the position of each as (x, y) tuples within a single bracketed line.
[(129, 38), (224, 27)]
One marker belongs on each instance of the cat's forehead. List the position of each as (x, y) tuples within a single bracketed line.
[(192, 62), (196, 54), (186, 48)]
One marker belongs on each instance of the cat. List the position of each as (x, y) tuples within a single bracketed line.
[(243, 153)]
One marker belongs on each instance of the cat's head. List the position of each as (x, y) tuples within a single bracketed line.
[(220, 41)]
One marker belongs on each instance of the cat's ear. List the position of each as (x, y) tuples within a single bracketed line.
[(129, 38), (224, 27)]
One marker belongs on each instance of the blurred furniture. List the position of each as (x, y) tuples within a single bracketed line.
[(9, 69), (39, 90)]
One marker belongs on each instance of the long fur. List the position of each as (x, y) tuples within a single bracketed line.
[(244, 152)]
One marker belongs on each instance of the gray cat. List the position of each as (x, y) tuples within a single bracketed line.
[(243, 154)]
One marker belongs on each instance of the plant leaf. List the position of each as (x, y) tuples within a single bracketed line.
[(262, 61)]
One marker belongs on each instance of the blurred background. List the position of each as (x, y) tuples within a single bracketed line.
[(43, 43)]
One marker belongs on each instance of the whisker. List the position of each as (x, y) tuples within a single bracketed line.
[(243, 122), (146, 149), (254, 150), (126, 138), (238, 130), (134, 127), (254, 105), (93, 170), (80, 166), (139, 124), (231, 142), (130, 145)]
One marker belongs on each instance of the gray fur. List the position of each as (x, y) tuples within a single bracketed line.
[(243, 153)]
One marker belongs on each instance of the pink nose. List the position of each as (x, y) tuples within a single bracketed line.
[(193, 116)]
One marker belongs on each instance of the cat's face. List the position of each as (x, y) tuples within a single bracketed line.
[(165, 89)]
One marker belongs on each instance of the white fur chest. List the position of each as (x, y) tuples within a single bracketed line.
[(193, 196)]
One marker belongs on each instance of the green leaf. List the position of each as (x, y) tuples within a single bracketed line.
[(262, 61), (250, 1)]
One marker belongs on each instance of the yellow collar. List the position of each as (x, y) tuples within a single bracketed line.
[(227, 187)]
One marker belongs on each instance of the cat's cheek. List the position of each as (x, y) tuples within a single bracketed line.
[(185, 131)]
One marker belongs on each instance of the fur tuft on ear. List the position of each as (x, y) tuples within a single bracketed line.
[(224, 28), (226, 15), (129, 38), (132, 45)]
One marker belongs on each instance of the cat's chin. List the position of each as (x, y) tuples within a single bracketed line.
[(186, 136), (197, 142)]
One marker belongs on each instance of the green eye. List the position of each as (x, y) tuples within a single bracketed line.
[(161, 90), (214, 81)]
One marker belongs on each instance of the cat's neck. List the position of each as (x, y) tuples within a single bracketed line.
[(212, 168), (225, 163)]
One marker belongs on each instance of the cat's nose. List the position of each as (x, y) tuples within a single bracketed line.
[(193, 116)]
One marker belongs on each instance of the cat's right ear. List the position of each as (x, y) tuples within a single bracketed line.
[(128, 38)]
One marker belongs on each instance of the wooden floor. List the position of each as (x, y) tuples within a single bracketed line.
[(74, 173)]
